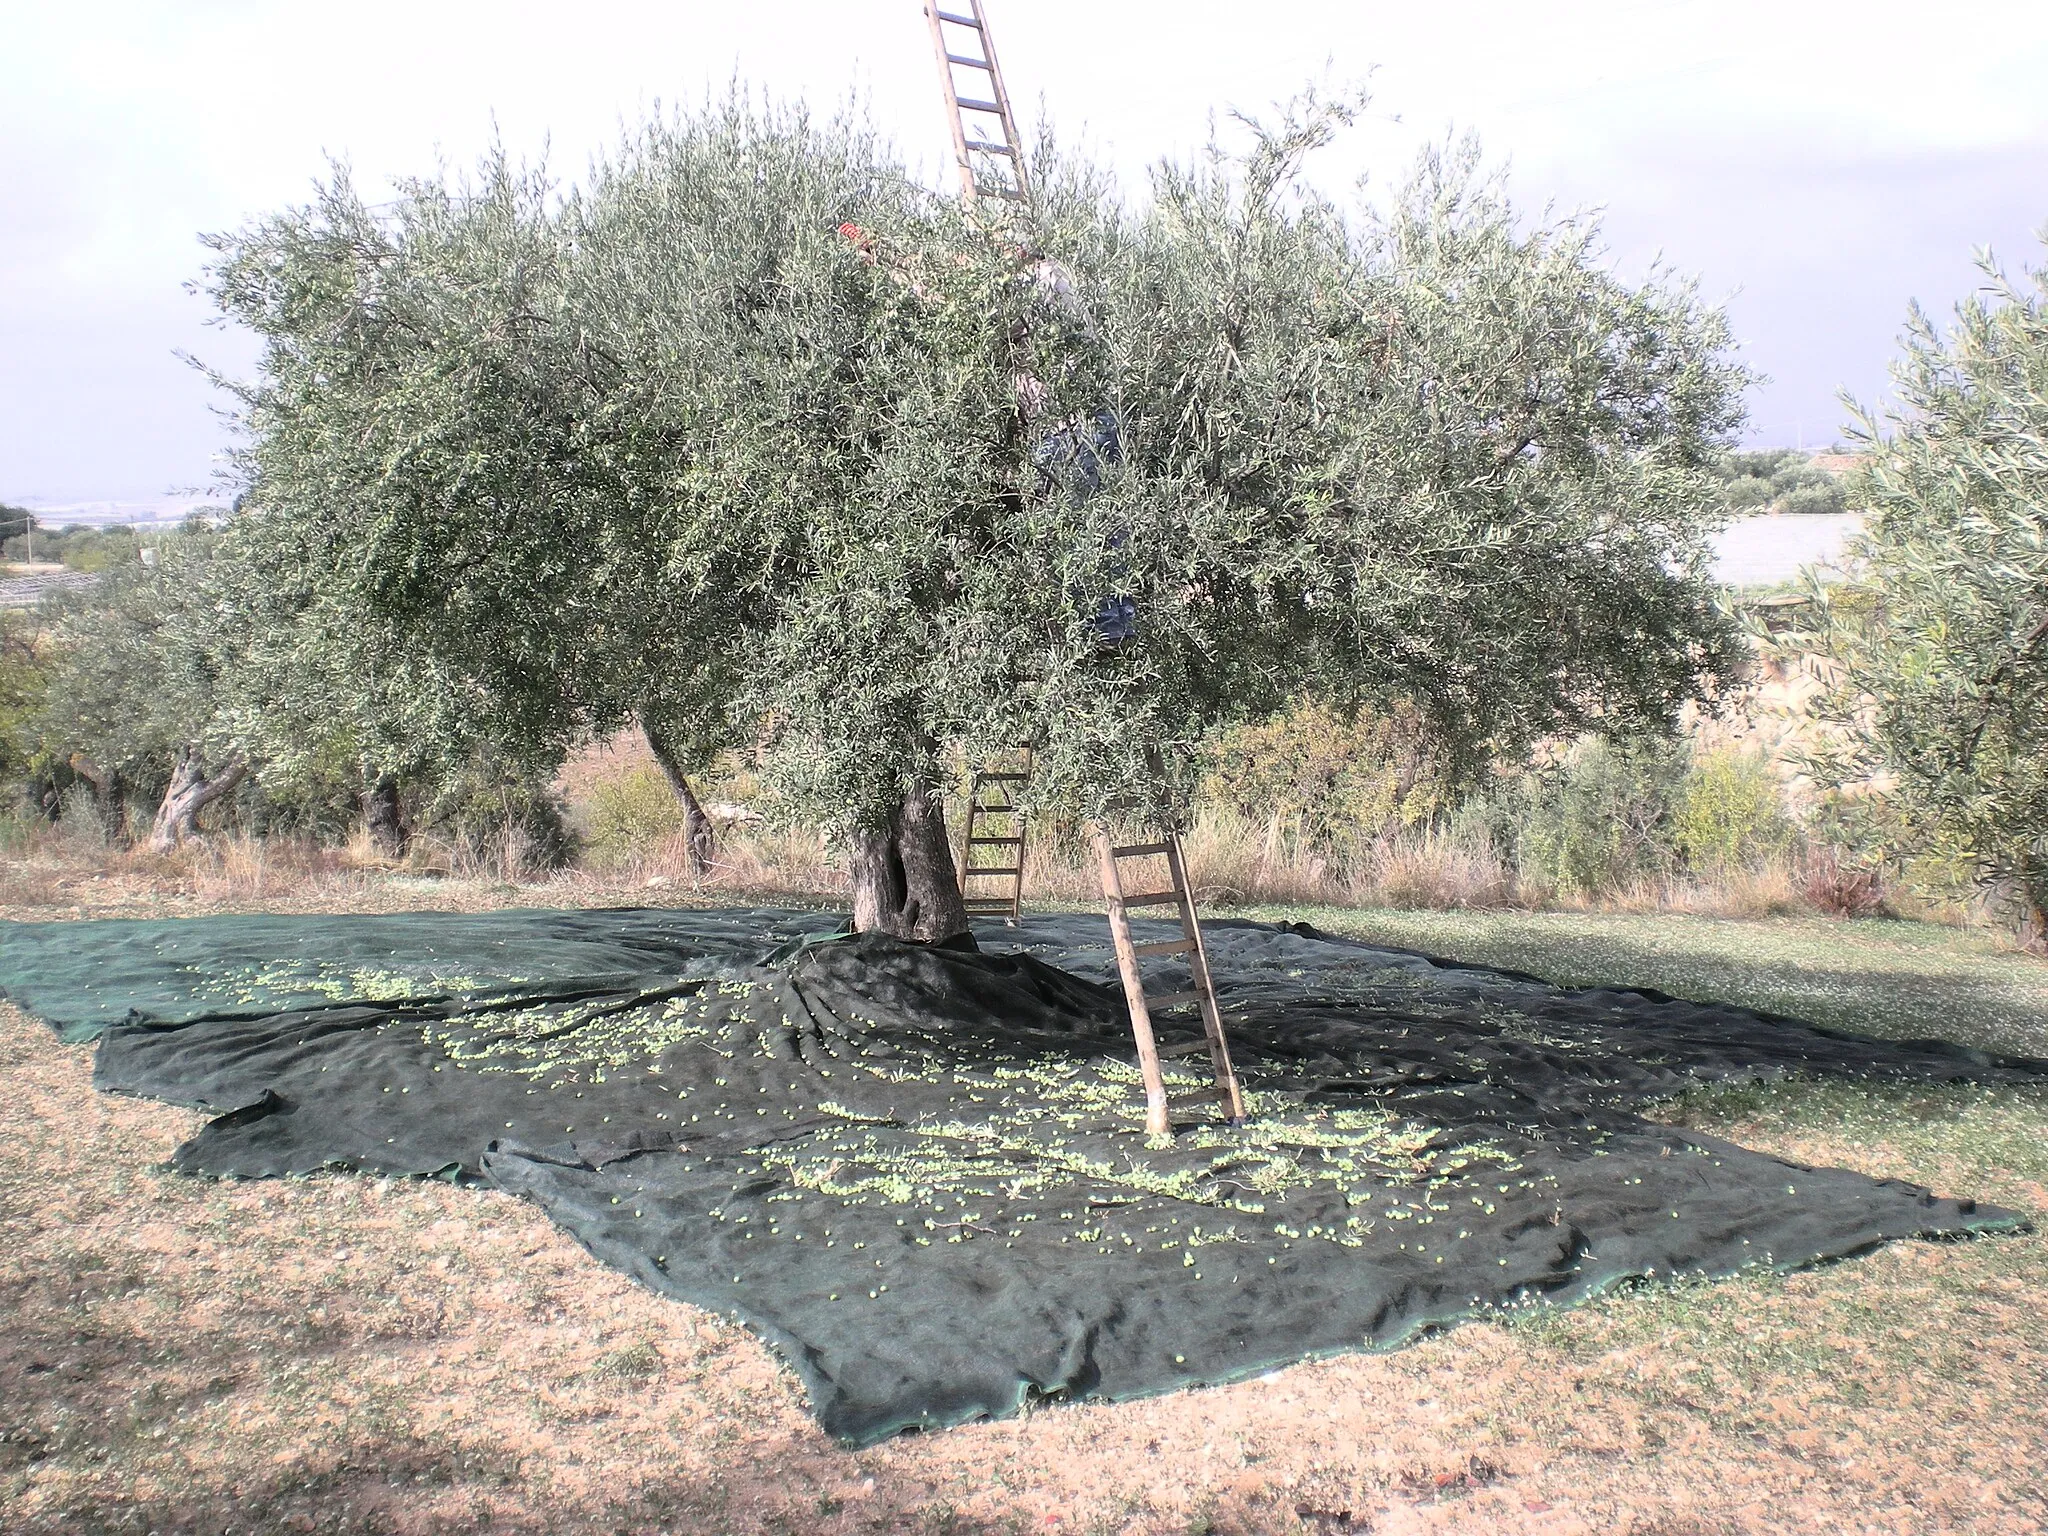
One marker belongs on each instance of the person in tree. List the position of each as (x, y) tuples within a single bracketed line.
[(1074, 454)]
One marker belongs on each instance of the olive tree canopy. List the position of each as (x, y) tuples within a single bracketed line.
[(752, 437), (1941, 635)]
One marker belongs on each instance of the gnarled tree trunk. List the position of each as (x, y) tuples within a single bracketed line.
[(904, 879), (190, 793), (384, 817), (700, 842)]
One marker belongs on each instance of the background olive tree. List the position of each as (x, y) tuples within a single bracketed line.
[(135, 671), (1941, 637)]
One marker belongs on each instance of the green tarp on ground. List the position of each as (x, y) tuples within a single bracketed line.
[(921, 1172)]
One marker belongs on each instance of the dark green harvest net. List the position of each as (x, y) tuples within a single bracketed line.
[(922, 1172)]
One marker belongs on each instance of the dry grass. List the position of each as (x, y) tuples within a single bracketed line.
[(346, 1355), (1232, 862)]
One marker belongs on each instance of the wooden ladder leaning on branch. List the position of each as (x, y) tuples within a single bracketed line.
[(1227, 1095), (995, 824), (990, 157), (985, 142)]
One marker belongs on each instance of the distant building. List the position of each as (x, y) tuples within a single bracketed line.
[(1837, 463)]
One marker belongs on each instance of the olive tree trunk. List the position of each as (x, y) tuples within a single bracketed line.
[(700, 841), (904, 879), (190, 793), (106, 793), (384, 816)]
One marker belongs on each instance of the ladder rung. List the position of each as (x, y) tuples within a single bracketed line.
[(961, 58), (1165, 947), (988, 148), (1012, 193), (968, 104), (993, 869), (1185, 1048), (959, 21), (1001, 778), (1140, 850), (1176, 999), (1151, 899), (983, 842)]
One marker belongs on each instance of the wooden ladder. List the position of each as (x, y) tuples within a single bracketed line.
[(985, 142), (1227, 1093), (995, 822)]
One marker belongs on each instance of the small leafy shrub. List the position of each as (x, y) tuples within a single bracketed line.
[(1325, 783), (496, 824), (1748, 493), (1596, 820), (1814, 497), (1729, 814), (630, 813)]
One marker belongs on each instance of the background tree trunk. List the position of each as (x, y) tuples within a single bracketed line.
[(106, 790), (904, 880), (384, 817), (700, 841), (190, 793)]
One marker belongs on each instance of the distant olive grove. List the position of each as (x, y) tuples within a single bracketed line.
[(1784, 480), (78, 547)]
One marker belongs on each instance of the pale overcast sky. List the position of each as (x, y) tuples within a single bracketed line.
[(1817, 165)]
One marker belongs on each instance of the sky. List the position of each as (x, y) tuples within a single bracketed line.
[(1816, 165)]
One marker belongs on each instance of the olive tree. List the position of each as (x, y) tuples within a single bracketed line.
[(131, 696), (756, 440), (1940, 638)]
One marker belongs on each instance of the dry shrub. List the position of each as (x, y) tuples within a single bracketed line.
[(749, 858), (1768, 889), (238, 867), (505, 854), (1059, 863), (1437, 871), (1231, 862), (84, 829), (26, 882), (1842, 886), (1231, 859)]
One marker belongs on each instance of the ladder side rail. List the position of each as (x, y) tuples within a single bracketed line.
[(953, 118), (1157, 1122), (967, 835), (1017, 830), (1001, 93), (1229, 1092)]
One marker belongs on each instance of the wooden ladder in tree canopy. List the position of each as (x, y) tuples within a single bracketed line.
[(985, 142), (1201, 993), (995, 831)]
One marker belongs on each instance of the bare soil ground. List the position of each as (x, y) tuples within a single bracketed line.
[(350, 1355)]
